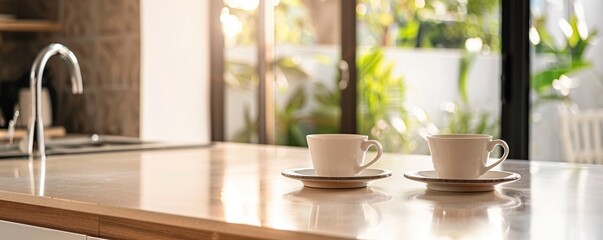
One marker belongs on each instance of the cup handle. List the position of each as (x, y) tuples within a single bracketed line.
[(365, 146), (491, 146)]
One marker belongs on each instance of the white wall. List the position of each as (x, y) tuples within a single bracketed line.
[(175, 70), (431, 77)]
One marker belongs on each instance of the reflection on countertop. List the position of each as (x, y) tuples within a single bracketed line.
[(342, 210), (454, 218)]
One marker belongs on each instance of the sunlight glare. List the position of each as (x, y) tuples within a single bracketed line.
[(448, 107), (474, 44), (246, 5), (534, 36), (231, 25), (582, 27), (361, 9), (566, 28)]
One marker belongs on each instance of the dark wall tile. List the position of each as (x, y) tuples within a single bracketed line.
[(16, 58), (78, 19), (112, 57), (86, 54), (133, 68), (38, 9), (112, 16), (8, 6), (132, 15)]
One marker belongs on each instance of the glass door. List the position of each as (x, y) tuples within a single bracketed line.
[(239, 22), (306, 69), (395, 70), (281, 70), (427, 66), (567, 79)]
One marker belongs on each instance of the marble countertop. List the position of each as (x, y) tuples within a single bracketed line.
[(231, 187)]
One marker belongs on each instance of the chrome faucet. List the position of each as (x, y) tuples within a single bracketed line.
[(36, 74)]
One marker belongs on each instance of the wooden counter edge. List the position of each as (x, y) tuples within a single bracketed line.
[(123, 228), (48, 217)]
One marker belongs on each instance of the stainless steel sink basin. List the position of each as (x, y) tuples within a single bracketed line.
[(10, 151), (90, 144), (91, 141)]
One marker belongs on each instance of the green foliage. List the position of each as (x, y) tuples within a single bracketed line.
[(465, 119), (432, 24), (240, 75), (289, 130), (325, 117), (435, 24), (569, 58), (463, 79), (292, 123), (249, 132), (382, 114), (292, 23), (409, 34)]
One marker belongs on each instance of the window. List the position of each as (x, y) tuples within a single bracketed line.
[(395, 70), (566, 75)]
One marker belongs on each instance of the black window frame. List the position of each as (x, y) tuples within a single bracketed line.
[(515, 79)]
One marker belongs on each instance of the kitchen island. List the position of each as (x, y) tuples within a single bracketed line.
[(236, 191)]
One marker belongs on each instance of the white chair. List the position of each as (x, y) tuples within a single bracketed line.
[(581, 136)]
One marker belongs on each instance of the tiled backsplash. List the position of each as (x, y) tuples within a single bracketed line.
[(105, 37)]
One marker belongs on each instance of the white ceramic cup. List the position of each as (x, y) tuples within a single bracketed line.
[(340, 155), (463, 156)]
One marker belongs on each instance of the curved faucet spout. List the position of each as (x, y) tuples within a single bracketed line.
[(37, 69), (36, 74)]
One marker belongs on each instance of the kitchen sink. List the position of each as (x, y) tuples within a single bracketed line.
[(93, 140), (90, 144), (10, 151)]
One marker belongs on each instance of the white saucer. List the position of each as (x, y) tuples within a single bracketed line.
[(484, 183), (309, 178)]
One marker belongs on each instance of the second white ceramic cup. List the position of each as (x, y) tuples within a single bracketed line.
[(463, 156), (340, 155)]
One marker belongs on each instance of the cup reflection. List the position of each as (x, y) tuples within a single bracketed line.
[(349, 211), (468, 215)]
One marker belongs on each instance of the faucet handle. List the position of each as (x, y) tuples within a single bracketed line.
[(12, 124)]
